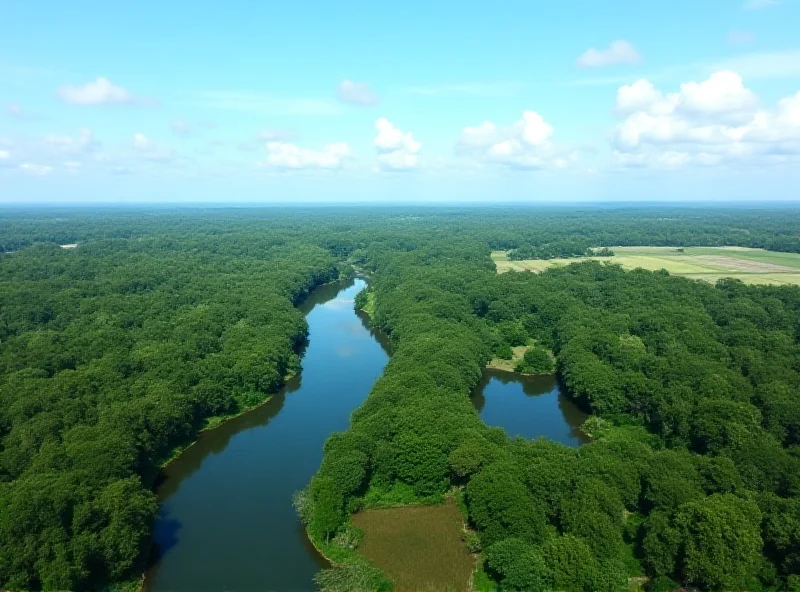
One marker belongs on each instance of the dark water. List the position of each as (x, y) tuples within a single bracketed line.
[(226, 520), (528, 406)]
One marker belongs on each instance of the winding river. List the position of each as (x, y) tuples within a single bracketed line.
[(226, 520)]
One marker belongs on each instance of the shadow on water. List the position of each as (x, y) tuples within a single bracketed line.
[(225, 519), (529, 406)]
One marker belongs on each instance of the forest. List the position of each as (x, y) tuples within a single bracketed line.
[(115, 353)]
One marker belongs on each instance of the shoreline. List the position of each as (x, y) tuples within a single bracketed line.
[(222, 420)]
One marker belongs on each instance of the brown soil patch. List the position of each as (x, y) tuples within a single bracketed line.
[(419, 547)]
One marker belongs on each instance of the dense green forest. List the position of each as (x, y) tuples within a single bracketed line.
[(115, 352)]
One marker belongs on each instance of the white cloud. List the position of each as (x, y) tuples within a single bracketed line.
[(356, 93), (759, 4), (281, 155), (741, 37), (141, 142), (619, 52), (723, 92), (35, 169), (526, 144), (706, 123), (4, 154), (397, 150), (98, 92)]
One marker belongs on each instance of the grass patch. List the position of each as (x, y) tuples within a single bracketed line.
[(399, 494), (419, 547), (509, 365), (752, 266)]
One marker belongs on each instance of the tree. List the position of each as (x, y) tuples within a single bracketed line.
[(516, 565), (721, 540), (327, 514), (501, 507), (536, 360)]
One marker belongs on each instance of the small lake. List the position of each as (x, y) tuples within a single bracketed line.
[(529, 406), (226, 521)]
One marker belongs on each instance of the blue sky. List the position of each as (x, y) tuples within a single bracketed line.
[(263, 101)]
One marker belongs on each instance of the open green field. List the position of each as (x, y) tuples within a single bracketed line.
[(419, 547), (752, 266)]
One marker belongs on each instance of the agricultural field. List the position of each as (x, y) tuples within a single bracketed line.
[(419, 547), (752, 266)]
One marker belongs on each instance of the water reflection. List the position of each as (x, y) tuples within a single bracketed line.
[(225, 519), (528, 406)]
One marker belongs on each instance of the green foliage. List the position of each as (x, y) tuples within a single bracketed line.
[(536, 360), (721, 539), (501, 507), (504, 352), (114, 354), (571, 566), (117, 353), (355, 575), (516, 565), (327, 513)]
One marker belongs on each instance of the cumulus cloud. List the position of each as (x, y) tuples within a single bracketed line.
[(38, 170), (619, 52), (397, 150), (282, 155), (98, 92), (356, 93), (711, 122), (525, 144)]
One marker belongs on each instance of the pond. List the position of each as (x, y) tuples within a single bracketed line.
[(226, 520), (529, 406)]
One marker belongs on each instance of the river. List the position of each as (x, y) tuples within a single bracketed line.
[(226, 520)]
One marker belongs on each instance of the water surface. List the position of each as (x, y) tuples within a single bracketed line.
[(226, 520), (528, 406)]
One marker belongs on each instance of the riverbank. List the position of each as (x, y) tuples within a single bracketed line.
[(226, 519)]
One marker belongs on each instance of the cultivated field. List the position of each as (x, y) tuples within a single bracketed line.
[(752, 266), (419, 547)]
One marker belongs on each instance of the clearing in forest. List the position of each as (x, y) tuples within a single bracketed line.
[(419, 547), (509, 365), (752, 266)]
